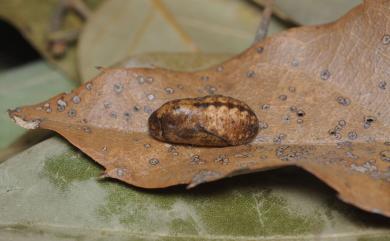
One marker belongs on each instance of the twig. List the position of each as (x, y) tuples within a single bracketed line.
[(277, 12), (262, 30), (80, 8), (59, 40)]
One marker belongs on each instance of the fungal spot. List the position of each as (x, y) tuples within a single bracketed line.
[(263, 125), (148, 110), (301, 113), (332, 132), (48, 110), (335, 132), (169, 90), (351, 155), (220, 68), (118, 88), (265, 107), (136, 108), (282, 97), (385, 156), (386, 39), (292, 89), (368, 121), (292, 153), (86, 129), (195, 159), (343, 101), (120, 172), (72, 113), (251, 74), (338, 128), (204, 78), (88, 86), (127, 115), (382, 85), (344, 144), (325, 74), (222, 159), (342, 123), (295, 63), (260, 50), (286, 119), (172, 149), (149, 79), (61, 105), (154, 161), (113, 115), (76, 99), (151, 97), (140, 79), (147, 146), (293, 109), (352, 135), (210, 89), (364, 168), (279, 138), (107, 105)]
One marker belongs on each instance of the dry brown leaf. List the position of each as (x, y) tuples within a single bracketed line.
[(319, 92)]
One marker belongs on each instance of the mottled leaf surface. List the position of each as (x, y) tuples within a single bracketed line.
[(50, 193), (320, 94)]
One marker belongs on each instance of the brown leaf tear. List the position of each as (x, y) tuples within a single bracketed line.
[(319, 92)]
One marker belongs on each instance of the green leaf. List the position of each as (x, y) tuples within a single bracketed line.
[(121, 28), (51, 192), (309, 12)]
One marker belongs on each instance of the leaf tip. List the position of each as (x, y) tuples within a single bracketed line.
[(33, 124), (27, 124)]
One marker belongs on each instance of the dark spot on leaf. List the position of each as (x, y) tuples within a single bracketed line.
[(385, 156), (76, 99), (260, 50), (251, 74), (386, 39), (154, 161), (282, 97), (382, 85), (325, 74), (72, 113), (343, 101)]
